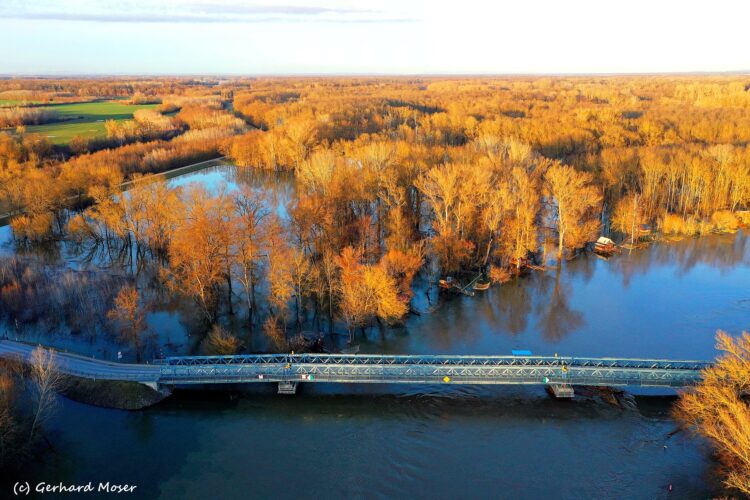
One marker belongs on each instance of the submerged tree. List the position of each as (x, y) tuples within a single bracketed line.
[(281, 270), (249, 237), (129, 317), (367, 292), (523, 203), (629, 215), (220, 342), (718, 409), (198, 255), (454, 192), (46, 381), (575, 197)]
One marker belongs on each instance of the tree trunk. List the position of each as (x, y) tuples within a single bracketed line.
[(487, 254), (297, 311), (251, 313), (229, 293), (316, 315)]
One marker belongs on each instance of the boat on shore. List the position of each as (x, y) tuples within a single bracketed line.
[(605, 246), (482, 283), (450, 284)]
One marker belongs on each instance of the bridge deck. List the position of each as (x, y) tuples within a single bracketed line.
[(371, 368)]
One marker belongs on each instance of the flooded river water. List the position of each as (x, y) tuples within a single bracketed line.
[(664, 301)]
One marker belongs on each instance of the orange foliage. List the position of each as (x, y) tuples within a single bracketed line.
[(718, 409)]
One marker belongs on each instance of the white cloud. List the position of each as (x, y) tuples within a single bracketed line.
[(362, 36), (206, 11)]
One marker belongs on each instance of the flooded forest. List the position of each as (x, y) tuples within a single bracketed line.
[(585, 216)]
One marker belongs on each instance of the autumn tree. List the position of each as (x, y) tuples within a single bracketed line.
[(152, 212), (326, 284), (198, 252), (575, 199), (275, 333), (128, 316), (519, 210), (220, 342), (366, 292), (300, 137), (42, 200), (280, 273), (454, 193), (629, 216), (249, 238), (717, 409), (402, 267), (315, 174)]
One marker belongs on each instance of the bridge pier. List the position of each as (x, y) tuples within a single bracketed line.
[(561, 391), (287, 388), (152, 385)]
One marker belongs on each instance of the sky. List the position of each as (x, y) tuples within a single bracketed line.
[(234, 37)]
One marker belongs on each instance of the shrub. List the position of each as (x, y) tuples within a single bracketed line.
[(724, 221), (744, 217), (33, 227), (499, 275), (673, 224), (220, 342)]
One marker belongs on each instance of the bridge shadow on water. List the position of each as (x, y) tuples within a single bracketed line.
[(419, 401), (374, 441)]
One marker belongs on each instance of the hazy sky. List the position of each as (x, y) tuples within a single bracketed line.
[(368, 36)]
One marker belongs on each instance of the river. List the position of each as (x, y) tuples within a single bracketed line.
[(664, 301)]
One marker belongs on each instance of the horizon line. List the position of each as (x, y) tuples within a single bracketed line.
[(75, 75)]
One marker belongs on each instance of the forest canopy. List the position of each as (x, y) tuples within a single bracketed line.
[(392, 176)]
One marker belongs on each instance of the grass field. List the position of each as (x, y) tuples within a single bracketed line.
[(84, 119), (9, 103)]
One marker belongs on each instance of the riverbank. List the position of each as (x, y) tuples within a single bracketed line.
[(112, 394)]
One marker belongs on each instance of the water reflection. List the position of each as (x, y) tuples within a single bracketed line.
[(722, 253), (556, 317), (512, 307)]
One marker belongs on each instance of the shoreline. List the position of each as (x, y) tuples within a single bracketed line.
[(167, 174)]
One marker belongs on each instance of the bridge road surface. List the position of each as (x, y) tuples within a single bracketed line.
[(375, 368), (85, 367)]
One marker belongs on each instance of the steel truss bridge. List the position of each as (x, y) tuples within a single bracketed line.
[(420, 369), (288, 370)]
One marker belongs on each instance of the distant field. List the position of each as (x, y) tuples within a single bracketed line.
[(86, 119), (7, 103)]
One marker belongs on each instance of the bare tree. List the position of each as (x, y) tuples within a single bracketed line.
[(46, 381)]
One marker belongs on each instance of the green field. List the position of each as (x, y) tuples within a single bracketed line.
[(9, 103), (84, 119)]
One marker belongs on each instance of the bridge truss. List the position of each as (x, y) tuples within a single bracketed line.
[(418, 369)]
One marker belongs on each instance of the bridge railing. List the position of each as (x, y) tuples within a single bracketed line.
[(286, 368), (448, 360), (92, 374)]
